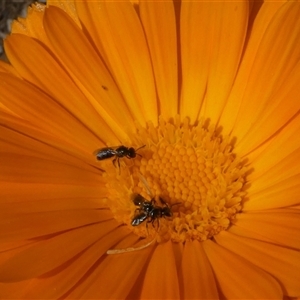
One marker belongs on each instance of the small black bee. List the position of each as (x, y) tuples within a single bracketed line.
[(118, 152), (149, 210)]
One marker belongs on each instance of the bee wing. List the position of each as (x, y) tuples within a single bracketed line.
[(146, 185), (105, 152), (105, 149), (139, 218), (97, 151), (137, 199)]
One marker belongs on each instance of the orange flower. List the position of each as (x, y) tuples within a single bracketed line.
[(209, 93)]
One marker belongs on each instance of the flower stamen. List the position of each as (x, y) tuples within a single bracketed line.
[(130, 249), (191, 165)]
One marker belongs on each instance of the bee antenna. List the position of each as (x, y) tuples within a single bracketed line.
[(140, 148), (175, 204)]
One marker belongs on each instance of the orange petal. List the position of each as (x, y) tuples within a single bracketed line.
[(198, 278), (67, 6), (54, 81), (67, 276), (121, 269), (12, 245), (7, 68), (269, 161), (14, 290), (282, 194), (281, 110), (30, 103), (239, 279), (158, 20), (212, 38), (48, 253), (280, 226), (275, 61), (275, 177), (36, 170), (166, 280), (95, 82), (261, 16), (9, 249), (81, 269), (125, 52), (32, 197), (37, 143), (22, 226), (280, 262), (41, 162), (32, 25)]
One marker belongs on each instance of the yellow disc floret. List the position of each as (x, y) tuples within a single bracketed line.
[(190, 170)]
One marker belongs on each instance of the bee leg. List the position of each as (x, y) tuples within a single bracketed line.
[(147, 227), (138, 210), (114, 162), (163, 201), (153, 202), (117, 159), (157, 228)]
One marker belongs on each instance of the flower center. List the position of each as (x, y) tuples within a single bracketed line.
[(186, 184)]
